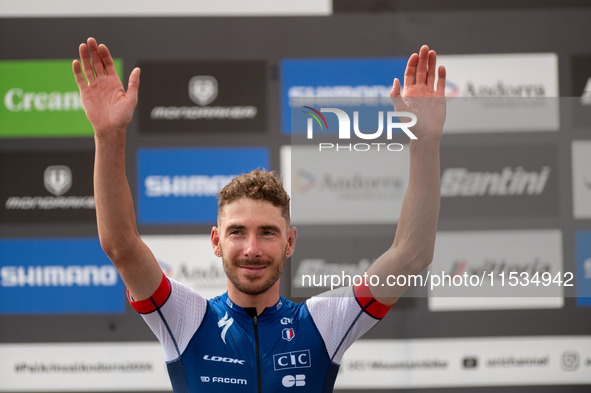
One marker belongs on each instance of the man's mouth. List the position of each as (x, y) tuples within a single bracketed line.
[(253, 270)]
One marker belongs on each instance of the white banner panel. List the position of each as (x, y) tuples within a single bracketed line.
[(189, 259), (110, 8), (581, 151), (83, 367), (503, 92), (345, 187), (483, 270), (462, 362)]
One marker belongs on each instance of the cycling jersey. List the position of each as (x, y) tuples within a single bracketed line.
[(216, 345)]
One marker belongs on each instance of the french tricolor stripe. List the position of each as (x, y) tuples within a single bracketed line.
[(155, 301), (368, 303)]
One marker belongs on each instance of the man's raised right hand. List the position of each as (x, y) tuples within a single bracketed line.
[(108, 107)]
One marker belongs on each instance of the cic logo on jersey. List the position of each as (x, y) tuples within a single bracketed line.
[(393, 121)]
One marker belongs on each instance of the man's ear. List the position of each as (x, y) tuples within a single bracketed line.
[(215, 241), (292, 237)]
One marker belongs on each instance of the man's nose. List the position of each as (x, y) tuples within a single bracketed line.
[(253, 249)]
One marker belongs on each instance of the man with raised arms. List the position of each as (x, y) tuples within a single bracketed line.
[(251, 339)]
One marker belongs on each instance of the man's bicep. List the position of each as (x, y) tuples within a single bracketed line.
[(139, 270)]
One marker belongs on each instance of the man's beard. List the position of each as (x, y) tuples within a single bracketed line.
[(250, 287)]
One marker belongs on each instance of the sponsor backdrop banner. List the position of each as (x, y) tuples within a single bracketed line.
[(189, 259), (42, 186), (322, 264), (58, 276), (346, 187), (581, 161), (115, 8), (201, 97), (369, 78), (83, 367), (581, 88), (461, 362), (499, 181), (41, 99), (508, 92), (583, 257), (498, 270), (180, 186)]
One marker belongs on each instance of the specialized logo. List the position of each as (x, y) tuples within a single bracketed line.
[(570, 360), (586, 96), (290, 380), (459, 182), (223, 359), (295, 359), (57, 179), (203, 89), (288, 334), (225, 322)]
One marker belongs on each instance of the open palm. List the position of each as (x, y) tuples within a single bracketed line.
[(108, 106), (420, 97)]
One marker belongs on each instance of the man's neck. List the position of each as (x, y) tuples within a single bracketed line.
[(260, 302)]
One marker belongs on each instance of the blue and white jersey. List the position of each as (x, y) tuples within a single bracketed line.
[(216, 345)]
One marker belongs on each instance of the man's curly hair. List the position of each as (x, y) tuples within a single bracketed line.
[(258, 185)]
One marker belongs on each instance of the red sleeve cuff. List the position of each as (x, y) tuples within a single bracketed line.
[(368, 303), (155, 301)]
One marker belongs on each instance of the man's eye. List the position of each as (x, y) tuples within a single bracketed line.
[(268, 233), (235, 232)]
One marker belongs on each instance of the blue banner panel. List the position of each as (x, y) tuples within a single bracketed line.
[(337, 78), (58, 276), (180, 186), (583, 257)]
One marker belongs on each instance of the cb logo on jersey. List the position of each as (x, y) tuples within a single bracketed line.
[(290, 380)]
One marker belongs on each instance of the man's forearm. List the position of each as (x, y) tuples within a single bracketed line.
[(417, 225), (114, 205)]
